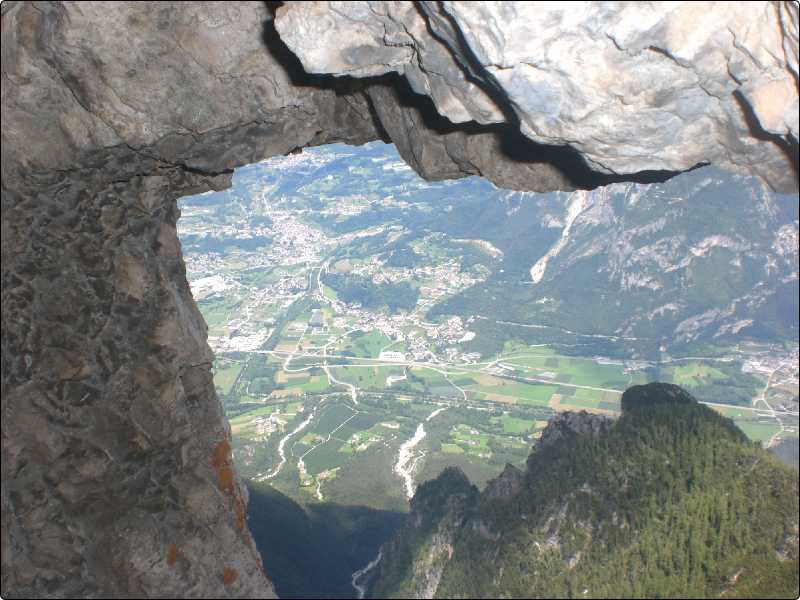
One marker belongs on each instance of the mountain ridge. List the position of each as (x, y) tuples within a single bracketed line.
[(670, 500)]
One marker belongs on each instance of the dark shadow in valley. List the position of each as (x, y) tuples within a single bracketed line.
[(312, 551)]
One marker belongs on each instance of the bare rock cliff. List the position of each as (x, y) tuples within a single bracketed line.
[(630, 86)]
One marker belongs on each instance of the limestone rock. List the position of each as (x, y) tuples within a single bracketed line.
[(507, 485), (631, 86), (388, 37), (437, 150), (116, 467), (117, 473), (568, 424)]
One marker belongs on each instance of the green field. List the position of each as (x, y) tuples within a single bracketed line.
[(367, 345), (225, 376), (366, 377), (325, 456), (693, 374), (524, 393), (309, 341), (347, 449), (578, 371), (452, 449), (526, 361), (760, 432), (217, 311), (316, 384), (589, 399), (331, 417), (514, 425), (430, 377), (532, 393)]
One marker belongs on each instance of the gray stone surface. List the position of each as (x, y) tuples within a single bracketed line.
[(567, 424), (437, 150), (506, 485), (631, 86), (116, 468)]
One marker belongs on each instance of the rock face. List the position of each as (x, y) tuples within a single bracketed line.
[(117, 473), (439, 509), (507, 484), (630, 86), (570, 424), (116, 467)]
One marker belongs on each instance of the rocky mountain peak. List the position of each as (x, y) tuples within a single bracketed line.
[(506, 485), (570, 424)]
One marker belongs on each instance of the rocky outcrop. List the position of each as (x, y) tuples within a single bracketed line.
[(506, 485), (571, 424), (436, 149), (116, 467), (439, 509), (631, 87), (117, 473)]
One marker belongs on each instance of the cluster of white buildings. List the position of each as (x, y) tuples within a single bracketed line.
[(297, 247)]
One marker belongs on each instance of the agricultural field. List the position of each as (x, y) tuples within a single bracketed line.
[(225, 375), (368, 345), (537, 378), (339, 435)]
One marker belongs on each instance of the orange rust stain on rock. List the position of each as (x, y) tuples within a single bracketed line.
[(229, 575), (172, 554), (238, 507), (223, 465), (222, 454), (225, 479), (221, 462)]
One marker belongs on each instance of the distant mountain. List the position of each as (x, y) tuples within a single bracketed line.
[(671, 500), (707, 257)]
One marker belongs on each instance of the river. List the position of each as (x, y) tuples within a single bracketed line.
[(407, 459), (282, 446), (361, 588)]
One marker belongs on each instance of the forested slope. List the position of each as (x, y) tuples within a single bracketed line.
[(671, 500)]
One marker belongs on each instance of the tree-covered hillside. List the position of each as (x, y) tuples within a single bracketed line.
[(671, 500)]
